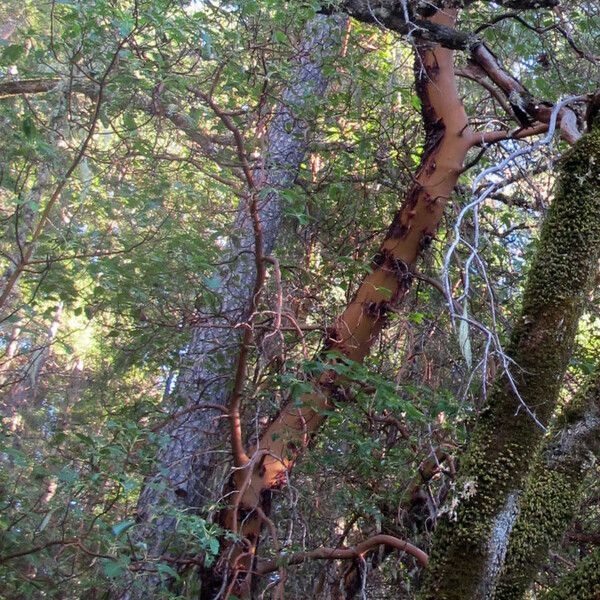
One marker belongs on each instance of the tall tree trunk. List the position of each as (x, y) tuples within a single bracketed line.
[(552, 493), (470, 538), (448, 138), (187, 471)]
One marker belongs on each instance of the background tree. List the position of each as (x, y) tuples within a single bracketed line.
[(129, 132)]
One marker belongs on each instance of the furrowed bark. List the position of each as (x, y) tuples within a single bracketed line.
[(553, 492), (448, 138), (506, 437), (581, 584), (187, 472)]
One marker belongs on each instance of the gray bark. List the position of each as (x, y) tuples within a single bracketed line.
[(188, 465), (498, 545)]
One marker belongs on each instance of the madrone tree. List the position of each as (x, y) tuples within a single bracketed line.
[(199, 139), (541, 343)]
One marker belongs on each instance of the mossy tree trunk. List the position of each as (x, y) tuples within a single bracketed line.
[(469, 540), (552, 493), (449, 137)]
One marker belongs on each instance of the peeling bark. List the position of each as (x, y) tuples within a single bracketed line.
[(506, 438), (448, 138), (402, 18)]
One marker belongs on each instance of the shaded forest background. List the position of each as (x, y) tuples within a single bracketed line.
[(190, 197)]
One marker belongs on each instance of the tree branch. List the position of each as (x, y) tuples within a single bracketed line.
[(354, 552)]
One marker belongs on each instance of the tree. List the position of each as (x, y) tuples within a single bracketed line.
[(449, 139), (217, 352), (468, 548), (557, 474), (200, 220)]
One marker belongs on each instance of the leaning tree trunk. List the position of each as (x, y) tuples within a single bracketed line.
[(553, 492), (448, 138), (186, 465), (470, 539)]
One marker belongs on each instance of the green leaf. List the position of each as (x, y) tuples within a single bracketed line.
[(417, 317), (213, 546), (280, 37), (113, 568), (416, 102), (121, 527), (165, 569), (28, 127), (129, 122), (13, 52)]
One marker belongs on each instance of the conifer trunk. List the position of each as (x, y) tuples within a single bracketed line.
[(187, 467)]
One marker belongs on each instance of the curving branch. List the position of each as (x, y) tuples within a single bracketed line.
[(525, 107), (448, 139), (354, 552), (396, 16)]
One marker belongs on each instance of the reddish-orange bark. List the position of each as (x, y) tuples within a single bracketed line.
[(448, 138)]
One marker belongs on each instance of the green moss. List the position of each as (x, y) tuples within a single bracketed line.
[(506, 437), (552, 493), (545, 511)]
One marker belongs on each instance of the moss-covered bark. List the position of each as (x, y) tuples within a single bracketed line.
[(552, 493), (581, 584), (506, 437)]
